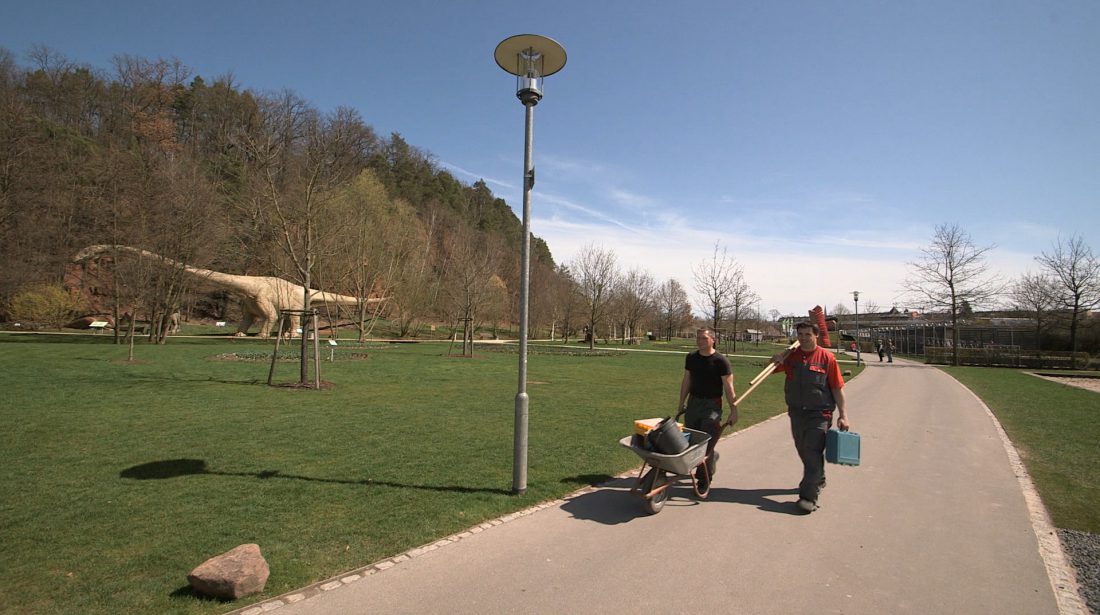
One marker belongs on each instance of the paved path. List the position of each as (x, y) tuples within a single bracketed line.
[(933, 521)]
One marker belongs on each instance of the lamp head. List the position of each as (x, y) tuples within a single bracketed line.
[(531, 58)]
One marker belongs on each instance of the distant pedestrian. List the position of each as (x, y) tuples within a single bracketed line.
[(880, 349), (814, 388), (890, 351)]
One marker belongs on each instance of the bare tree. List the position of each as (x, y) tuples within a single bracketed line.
[(716, 282), (1076, 273), (742, 298), (636, 292), (381, 234), (127, 282), (1035, 293), (470, 282), (673, 308), (417, 284), (544, 311), (567, 301), (596, 273), (951, 273), (183, 212), (305, 160)]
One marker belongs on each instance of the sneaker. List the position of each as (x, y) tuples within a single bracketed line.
[(807, 505)]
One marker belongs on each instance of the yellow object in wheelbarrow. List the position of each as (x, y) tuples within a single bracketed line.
[(644, 426)]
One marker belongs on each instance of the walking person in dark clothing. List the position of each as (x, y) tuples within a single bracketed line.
[(814, 388), (889, 351), (880, 349), (707, 377)]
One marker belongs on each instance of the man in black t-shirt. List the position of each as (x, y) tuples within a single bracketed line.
[(707, 376)]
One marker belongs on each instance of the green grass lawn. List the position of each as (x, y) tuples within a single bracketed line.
[(1056, 429), (121, 477)]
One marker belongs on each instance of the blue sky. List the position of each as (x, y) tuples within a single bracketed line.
[(821, 142)]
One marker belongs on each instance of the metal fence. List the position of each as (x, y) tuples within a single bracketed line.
[(1004, 356)]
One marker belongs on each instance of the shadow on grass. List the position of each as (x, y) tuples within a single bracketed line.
[(175, 468), (107, 339), (36, 337), (189, 592), (147, 380)]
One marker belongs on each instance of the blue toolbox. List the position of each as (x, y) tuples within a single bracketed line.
[(842, 447)]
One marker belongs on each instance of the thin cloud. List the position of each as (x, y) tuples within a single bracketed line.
[(630, 199), (475, 176), (588, 211), (877, 244), (572, 168)]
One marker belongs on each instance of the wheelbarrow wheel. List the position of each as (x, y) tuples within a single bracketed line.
[(654, 504)]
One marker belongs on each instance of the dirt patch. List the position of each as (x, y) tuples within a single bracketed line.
[(325, 385), (1091, 384), (266, 357)]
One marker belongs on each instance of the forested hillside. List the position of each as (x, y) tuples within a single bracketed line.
[(207, 172)]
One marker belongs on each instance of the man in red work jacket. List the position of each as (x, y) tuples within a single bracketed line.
[(814, 388)]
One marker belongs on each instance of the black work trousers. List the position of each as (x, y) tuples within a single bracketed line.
[(808, 429)]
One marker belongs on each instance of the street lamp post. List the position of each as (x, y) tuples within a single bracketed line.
[(855, 297), (530, 58)]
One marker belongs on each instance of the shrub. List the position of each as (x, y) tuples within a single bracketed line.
[(45, 305)]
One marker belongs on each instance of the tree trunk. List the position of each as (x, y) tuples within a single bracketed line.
[(130, 350)]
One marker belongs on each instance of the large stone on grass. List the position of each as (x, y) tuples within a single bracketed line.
[(238, 572)]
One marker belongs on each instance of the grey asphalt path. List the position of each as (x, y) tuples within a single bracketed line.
[(933, 521)]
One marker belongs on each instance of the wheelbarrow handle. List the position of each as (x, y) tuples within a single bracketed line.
[(771, 367), (755, 382)]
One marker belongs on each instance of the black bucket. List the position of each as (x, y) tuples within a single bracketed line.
[(666, 438)]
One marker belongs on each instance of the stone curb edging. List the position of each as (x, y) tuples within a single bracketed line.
[(351, 576), (1062, 574)]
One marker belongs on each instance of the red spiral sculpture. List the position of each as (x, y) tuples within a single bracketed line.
[(817, 315)]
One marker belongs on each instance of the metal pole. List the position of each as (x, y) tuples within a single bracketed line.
[(859, 358), (519, 454), (316, 350), (275, 355)]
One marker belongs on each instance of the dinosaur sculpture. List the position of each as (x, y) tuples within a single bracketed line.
[(261, 296)]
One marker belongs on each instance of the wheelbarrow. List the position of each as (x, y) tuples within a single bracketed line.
[(665, 470)]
